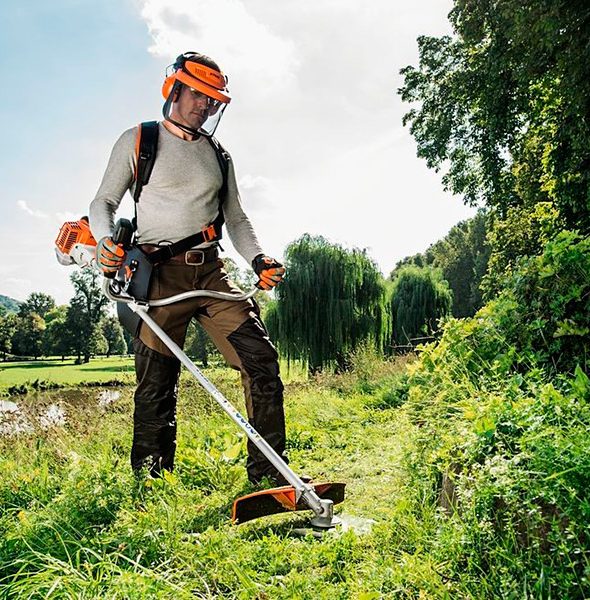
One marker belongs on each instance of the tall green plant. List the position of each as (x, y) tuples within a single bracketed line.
[(420, 298), (331, 300)]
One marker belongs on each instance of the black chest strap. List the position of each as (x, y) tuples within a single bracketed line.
[(146, 147)]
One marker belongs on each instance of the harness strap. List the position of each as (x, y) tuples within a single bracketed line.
[(146, 147)]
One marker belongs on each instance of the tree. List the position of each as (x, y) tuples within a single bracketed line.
[(28, 335), (56, 339), (7, 329), (506, 105), (38, 303), (198, 345), (113, 334), (421, 297), (462, 256), (331, 300), (86, 309)]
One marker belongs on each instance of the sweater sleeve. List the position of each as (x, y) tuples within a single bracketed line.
[(117, 179), (239, 227)]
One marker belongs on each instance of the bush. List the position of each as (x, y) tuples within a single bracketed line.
[(502, 414)]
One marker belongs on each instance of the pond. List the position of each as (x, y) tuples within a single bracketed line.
[(42, 411)]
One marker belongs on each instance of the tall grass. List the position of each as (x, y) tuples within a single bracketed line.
[(476, 484)]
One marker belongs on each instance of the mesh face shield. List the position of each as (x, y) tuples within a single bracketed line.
[(208, 87)]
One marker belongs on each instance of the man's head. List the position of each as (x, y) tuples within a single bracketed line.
[(196, 94)]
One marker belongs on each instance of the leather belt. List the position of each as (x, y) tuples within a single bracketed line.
[(190, 257)]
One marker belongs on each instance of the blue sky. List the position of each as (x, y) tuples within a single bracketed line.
[(314, 127)]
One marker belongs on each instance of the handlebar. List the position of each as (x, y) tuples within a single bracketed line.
[(113, 292)]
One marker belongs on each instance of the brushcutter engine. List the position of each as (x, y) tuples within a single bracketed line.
[(75, 244)]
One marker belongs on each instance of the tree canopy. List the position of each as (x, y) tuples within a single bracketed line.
[(85, 312), (462, 257), (505, 103), (331, 300)]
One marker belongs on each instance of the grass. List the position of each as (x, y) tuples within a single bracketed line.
[(55, 372), (65, 373), (74, 523)]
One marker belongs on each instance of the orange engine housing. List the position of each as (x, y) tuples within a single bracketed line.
[(74, 232)]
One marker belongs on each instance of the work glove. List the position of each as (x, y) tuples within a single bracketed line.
[(269, 271), (110, 256)]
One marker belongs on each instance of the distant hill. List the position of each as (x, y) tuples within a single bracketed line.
[(10, 304)]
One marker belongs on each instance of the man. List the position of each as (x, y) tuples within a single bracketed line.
[(187, 193)]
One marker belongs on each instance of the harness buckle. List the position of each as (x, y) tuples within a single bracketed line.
[(209, 233)]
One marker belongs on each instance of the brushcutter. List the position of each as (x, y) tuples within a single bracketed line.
[(76, 245)]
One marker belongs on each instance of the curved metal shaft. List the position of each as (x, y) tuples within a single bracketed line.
[(322, 508)]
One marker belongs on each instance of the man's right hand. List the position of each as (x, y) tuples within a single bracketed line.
[(110, 257)]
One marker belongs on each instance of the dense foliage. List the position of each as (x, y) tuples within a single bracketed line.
[(506, 103), (462, 257), (331, 300), (510, 466), (420, 298)]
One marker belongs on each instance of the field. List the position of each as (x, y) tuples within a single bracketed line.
[(75, 523), (56, 371)]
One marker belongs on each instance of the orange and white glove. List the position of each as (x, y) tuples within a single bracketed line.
[(110, 256), (269, 271)]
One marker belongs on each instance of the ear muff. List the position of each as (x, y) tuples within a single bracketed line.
[(168, 85)]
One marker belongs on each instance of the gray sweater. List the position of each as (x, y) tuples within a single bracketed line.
[(180, 198)]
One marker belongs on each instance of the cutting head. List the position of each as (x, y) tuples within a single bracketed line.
[(281, 499)]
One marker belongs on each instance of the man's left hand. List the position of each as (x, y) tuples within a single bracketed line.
[(269, 271)]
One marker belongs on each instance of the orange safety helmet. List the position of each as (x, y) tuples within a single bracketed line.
[(190, 69)]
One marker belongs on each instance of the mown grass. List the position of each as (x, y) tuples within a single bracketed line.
[(74, 523), (67, 372), (21, 376)]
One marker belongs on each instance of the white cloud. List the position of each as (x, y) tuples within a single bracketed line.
[(33, 213), (226, 31), (257, 192), (62, 217), (250, 182)]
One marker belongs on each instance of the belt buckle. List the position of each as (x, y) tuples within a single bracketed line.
[(190, 253)]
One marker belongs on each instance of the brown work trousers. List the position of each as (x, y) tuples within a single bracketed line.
[(238, 332)]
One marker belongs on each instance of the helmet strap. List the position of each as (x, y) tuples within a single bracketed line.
[(166, 110)]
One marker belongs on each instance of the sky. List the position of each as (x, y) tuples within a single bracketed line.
[(314, 127)]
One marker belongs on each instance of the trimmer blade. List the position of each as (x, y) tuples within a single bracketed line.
[(281, 499)]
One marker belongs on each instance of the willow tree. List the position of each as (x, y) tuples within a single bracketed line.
[(420, 298), (331, 300)]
